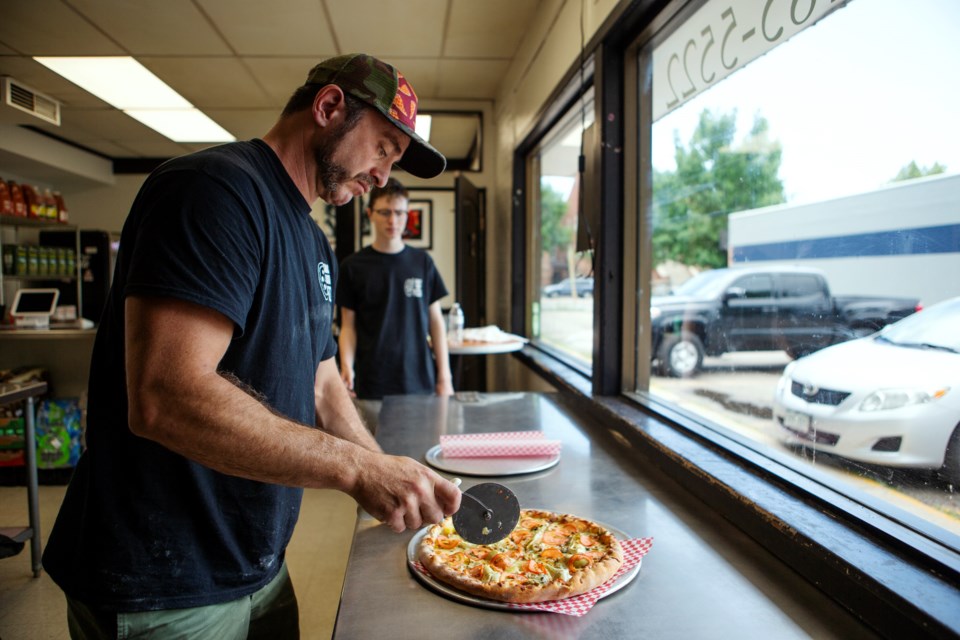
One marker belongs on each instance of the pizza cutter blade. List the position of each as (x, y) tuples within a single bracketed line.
[(488, 513)]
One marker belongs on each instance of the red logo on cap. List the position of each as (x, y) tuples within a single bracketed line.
[(404, 107)]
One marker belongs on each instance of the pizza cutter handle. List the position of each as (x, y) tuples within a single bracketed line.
[(487, 511)]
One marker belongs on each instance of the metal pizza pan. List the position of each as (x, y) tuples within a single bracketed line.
[(448, 591)]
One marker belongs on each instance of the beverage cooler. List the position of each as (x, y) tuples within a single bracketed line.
[(96, 257)]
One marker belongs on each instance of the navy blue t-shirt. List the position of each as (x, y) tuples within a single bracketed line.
[(141, 527), (391, 294)]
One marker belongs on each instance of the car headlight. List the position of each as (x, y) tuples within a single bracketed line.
[(654, 313), (783, 384), (887, 399)]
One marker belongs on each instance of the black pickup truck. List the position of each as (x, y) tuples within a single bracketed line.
[(759, 309)]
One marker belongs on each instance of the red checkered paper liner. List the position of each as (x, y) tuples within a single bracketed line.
[(502, 444), (633, 551)]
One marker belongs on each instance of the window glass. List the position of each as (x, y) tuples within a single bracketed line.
[(563, 301), (800, 286), (755, 286), (821, 171)]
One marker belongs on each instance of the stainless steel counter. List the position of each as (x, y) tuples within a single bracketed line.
[(702, 578)]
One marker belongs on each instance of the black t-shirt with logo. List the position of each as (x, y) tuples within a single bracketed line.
[(141, 527), (391, 294)]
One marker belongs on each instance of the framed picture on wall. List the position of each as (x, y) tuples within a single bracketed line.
[(419, 231)]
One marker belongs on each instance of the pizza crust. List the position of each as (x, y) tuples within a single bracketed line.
[(435, 561)]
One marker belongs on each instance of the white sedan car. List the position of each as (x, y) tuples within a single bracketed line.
[(892, 398)]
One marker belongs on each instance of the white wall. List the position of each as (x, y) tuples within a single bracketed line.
[(550, 49), (104, 207)]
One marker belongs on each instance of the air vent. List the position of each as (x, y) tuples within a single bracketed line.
[(27, 101)]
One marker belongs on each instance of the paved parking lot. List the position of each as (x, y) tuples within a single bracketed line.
[(736, 391)]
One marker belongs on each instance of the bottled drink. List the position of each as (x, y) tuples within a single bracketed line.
[(455, 324)]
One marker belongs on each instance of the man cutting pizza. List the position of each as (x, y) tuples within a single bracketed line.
[(214, 396)]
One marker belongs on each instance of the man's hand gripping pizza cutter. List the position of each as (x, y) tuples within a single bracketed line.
[(488, 513)]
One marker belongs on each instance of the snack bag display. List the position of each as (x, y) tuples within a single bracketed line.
[(59, 433)]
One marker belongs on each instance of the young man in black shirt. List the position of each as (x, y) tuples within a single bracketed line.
[(389, 296)]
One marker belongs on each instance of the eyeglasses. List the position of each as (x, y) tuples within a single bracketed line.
[(386, 213)]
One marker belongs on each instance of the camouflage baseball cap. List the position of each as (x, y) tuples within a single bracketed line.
[(385, 89)]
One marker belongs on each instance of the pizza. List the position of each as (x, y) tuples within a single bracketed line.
[(547, 556)]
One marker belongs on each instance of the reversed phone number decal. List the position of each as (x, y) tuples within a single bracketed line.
[(721, 37)]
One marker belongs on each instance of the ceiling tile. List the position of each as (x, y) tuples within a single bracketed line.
[(39, 78), (246, 123), (472, 23), (470, 78), (240, 60), (113, 125), (280, 76), (49, 27), (210, 82), (373, 26), (145, 27), (422, 74), (258, 28)]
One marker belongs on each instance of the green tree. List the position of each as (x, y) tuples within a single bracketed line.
[(911, 171), (713, 178), (553, 235)]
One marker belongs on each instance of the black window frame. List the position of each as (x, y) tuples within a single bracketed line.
[(897, 574)]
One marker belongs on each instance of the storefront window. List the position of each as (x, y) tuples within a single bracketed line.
[(805, 196), (562, 308)]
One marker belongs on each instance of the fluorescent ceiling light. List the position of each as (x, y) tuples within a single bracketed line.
[(182, 125), (423, 126), (127, 85)]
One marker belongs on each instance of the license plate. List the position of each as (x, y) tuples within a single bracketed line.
[(796, 421)]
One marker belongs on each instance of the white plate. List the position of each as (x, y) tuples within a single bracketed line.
[(481, 348), (467, 598), (489, 466)]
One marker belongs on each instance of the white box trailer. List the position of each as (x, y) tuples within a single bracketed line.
[(900, 240)]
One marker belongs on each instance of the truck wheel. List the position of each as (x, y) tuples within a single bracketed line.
[(680, 354), (951, 462)]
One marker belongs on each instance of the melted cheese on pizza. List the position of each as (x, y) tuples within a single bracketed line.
[(537, 551)]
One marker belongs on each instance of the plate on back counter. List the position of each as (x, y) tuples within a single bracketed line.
[(489, 466)]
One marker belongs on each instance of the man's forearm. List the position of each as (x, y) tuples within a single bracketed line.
[(221, 426)]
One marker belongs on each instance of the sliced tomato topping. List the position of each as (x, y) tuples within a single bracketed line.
[(447, 543), (476, 572), (587, 540), (551, 553), (579, 561), (558, 538), (479, 552), (500, 561), (530, 523), (533, 566), (519, 535)]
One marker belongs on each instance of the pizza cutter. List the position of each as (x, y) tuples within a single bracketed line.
[(488, 513)]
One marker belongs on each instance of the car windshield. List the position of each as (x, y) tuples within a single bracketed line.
[(707, 284), (932, 328)]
